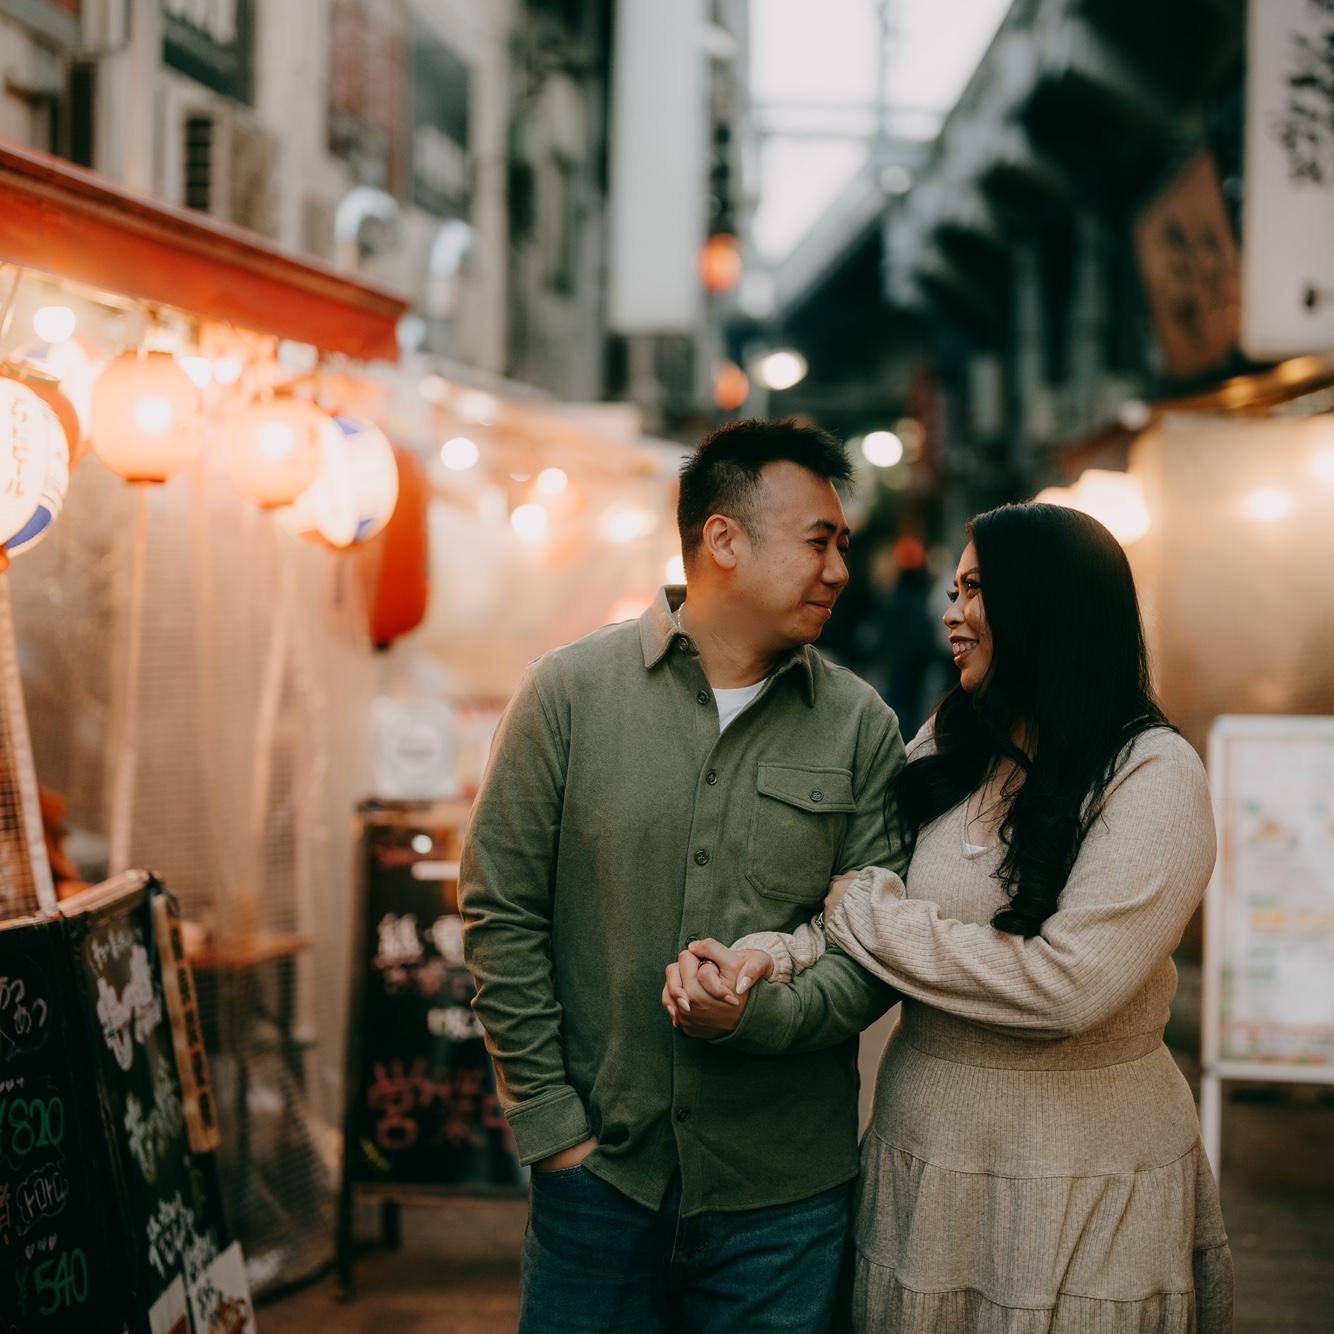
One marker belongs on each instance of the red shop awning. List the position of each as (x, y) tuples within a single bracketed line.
[(76, 224)]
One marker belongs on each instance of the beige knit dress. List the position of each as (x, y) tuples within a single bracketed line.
[(1033, 1164)]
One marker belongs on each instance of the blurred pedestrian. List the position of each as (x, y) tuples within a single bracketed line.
[(1034, 1161), (695, 773)]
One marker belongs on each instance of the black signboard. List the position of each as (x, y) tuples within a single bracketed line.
[(422, 1113), (167, 1194), (213, 42), (59, 1271), (440, 89)]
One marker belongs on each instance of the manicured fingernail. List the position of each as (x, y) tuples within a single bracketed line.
[(685, 1005), (732, 1000), (742, 986)]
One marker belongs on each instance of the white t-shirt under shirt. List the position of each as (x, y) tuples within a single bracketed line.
[(732, 702)]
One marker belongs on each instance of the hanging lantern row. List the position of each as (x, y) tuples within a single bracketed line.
[(333, 477)]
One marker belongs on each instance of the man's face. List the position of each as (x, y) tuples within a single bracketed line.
[(789, 578)]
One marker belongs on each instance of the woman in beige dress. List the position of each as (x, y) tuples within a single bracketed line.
[(1033, 1164)]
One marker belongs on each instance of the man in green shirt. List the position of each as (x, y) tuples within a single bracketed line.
[(701, 772)]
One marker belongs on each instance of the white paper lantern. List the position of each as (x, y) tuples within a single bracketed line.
[(34, 467), (145, 417), (356, 490)]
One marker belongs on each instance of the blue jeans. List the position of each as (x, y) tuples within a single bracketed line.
[(595, 1261)]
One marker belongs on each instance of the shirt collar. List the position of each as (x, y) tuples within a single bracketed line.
[(659, 633)]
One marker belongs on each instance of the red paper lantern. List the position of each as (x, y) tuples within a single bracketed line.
[(400, 583)]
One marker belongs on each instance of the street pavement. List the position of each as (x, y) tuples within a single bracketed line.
[(458, 1269)]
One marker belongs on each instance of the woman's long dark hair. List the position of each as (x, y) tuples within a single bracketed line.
[(1069, 666)]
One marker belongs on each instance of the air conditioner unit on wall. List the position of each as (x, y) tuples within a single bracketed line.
[(230, 165)]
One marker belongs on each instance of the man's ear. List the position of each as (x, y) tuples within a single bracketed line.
[(719, 536)]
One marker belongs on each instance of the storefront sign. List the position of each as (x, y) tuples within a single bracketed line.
[(1188, 258), (213, 42), (440, 91), (1288, 277)]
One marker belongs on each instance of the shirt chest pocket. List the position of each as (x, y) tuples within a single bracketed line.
[(801, 815)]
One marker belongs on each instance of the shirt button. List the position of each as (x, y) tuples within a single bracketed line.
[(683, 644), (816, 794), (701, 857), (703, 697), (711, 777), (683, 1114)]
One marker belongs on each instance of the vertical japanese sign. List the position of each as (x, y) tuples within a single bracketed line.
[(1188, 258), (1288, 262)]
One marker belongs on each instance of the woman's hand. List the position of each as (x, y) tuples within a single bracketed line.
[(706, 977), (837, 890)]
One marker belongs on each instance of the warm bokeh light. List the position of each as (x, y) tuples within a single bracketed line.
[(227, 370), (552, 481), (459, 454), (731, 386), (54, 324), (1115, 499), (882, 448), (478, 407), (531, 522), (1270, 504), (720, 263), (1322, 465), (199, 369), (675, 570), (626, 523), (781, 369)]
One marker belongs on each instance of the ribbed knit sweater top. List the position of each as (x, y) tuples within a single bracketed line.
[(1033, 1164)]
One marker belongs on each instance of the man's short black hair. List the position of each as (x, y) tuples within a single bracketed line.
[(723, 475)]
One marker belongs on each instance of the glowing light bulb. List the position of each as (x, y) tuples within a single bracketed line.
[(531, 522), (54, 324), (782, 369), (883, 448), (459, 454)]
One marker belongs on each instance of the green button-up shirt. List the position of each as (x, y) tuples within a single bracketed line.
[(614, 826)]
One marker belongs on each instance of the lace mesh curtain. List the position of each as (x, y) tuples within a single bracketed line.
[(251, 713)]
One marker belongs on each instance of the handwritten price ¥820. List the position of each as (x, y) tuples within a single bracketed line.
[(27, 1124)]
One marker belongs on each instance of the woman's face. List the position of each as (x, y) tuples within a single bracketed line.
[(966, 621)]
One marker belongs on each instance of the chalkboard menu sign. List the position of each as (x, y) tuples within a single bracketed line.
[(181, 1273), (422, 1113), (57, 1268)]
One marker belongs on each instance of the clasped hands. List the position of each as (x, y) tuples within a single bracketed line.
[(708, 985)]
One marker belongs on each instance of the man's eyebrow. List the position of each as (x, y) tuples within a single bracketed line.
[(825, 526)]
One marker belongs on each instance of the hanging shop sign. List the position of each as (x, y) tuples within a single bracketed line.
[(439, 151), (213, 42), (366, 91), (1188, 258), (1288, 275)]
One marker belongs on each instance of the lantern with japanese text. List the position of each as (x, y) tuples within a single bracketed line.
[(34, 466), (356, 488)]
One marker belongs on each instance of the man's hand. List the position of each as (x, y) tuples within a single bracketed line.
[(836, 891), (705, 990), (570, 1157)]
